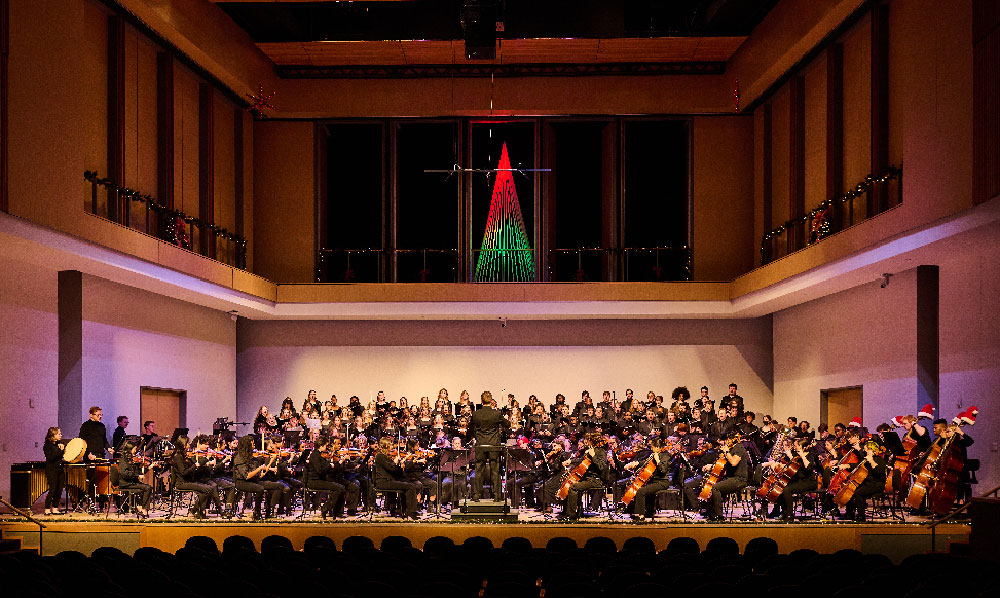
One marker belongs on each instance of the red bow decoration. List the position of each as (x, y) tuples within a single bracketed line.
[(424, 274), (348, 275), (579, 275), (658, 271), (260, 102)]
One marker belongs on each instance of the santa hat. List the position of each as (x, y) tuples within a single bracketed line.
[(973, 410), (926, 412), (855, 423), (968, 417), (896, 422)]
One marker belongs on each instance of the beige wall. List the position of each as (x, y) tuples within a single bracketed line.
[(284, 207), (413, 359), (132, 338), (29, 361)]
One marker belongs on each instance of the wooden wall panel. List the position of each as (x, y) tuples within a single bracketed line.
[(93, 61), (986, 95), (185, 140), (225, 163), (145, 156), (815, 132), (857, 105)]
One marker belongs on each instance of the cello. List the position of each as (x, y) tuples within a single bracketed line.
[(858, 475), (840, 475), (576, 474), (783, 477), (644, 475), (772, 477), (717, 468)]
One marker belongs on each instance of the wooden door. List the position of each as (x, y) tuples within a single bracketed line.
[(163, 406), (840, 405)]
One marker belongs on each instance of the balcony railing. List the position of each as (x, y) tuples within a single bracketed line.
[(867, 199), (584, 264), (144, 213), (638, 264), (375, 265)]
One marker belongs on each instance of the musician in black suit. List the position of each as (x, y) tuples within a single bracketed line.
[(53, 449), (487, 425), (598, 475), (318, 471), (660, 480), (130, 474), (389, 476), (95, 434)]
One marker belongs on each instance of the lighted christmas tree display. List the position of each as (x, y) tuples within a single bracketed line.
[(506, 255)]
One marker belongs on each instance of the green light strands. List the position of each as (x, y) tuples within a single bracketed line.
[(506, 255)]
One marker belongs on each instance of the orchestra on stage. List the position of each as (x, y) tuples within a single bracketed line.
[(616, 459)]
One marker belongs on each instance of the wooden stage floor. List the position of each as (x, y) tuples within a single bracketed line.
[(84, 533)]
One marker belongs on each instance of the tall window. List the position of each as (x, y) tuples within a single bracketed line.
[(352, 245), (579, 185), (427, 203), (655, 199), (504, 252)]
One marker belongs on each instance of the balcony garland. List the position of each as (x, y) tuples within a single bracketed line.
[(820, 214), (173, 219)]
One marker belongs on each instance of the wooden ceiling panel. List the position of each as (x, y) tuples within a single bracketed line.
[(512, 51), (661, 49), (429, 51), (549, 50), (354, 53), (717, 48)]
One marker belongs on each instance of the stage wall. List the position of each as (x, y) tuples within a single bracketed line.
[(414, 359), (866, 336)]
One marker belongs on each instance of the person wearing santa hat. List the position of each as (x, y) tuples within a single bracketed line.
[(915, 432)]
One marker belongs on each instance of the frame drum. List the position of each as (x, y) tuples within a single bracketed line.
[(75, 450)]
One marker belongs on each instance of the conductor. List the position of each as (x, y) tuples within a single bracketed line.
[(486, 424)]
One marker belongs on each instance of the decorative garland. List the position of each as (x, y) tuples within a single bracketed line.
[(174, 220), (821, 213)]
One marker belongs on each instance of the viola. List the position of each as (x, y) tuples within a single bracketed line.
[(716, 472)]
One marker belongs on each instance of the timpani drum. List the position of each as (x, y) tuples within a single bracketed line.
[(102, 479), (75, 450)]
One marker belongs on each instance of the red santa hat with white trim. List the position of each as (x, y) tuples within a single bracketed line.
[(854, 423), (896, 422), (926, 412), (968, 417)]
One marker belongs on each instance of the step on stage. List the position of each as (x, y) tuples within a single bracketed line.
[(84, 533)]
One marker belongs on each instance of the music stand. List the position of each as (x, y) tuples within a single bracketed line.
[(892, 442), (458, 458), (292, 437), (518, 460)]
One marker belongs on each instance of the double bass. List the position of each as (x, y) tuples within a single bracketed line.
[(716, 472), (942, 467)]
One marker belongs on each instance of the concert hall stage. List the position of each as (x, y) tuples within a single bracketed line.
[(84, 534)]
